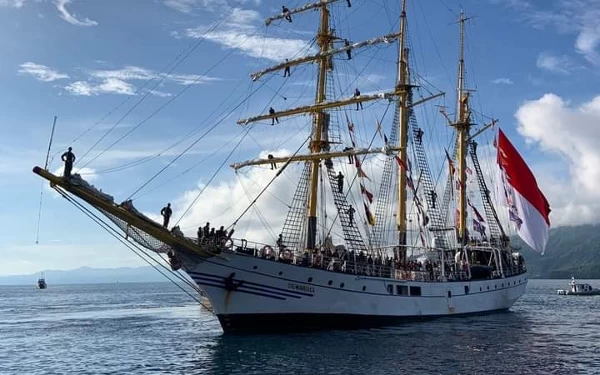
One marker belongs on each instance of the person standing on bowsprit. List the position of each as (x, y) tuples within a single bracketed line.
[(69, 158), (166, 213)]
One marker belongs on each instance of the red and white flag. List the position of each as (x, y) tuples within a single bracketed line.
[(518, 190)]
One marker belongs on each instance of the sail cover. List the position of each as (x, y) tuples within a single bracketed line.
[(527, 206)]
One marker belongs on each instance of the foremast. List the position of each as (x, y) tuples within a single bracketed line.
[(462, 126), (403, 88), (319, 143)]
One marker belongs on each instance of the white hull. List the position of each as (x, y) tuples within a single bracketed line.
[(250, 294)]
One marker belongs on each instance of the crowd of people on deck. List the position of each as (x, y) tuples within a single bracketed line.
[(398, 266)]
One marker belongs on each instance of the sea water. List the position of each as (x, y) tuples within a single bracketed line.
[(158, 329)]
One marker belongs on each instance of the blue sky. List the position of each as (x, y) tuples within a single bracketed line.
[(534, 65)]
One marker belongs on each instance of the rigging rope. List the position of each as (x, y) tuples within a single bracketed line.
[(37, 236), (162, 77), (134, 247), (198, 140), (269, 184)]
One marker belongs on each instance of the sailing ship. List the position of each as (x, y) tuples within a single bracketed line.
[(405, 258), (41, 283)]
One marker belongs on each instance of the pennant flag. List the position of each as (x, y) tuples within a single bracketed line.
[(362, 174), (401, 163), (409, 183), (350, 125), (456, 217), (367, 193), (370, 217), (468, 170), (495, 143), (379, 129), (477, 214), (422, 235), (477, 227), (381, 133), (450, 162), (530, 209), (351, 131)]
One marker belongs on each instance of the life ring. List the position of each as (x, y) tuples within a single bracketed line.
[(286, 254), (226, 242)]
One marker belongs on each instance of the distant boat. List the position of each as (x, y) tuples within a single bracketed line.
[(41, 283), (578, 289)]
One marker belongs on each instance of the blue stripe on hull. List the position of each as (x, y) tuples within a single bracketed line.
[(247, 284), (209, 282), (286, 323)]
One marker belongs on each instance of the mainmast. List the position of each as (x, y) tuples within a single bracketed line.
[(403, 89), (462, 125), (324, 39)]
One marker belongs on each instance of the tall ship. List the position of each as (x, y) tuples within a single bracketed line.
[(372, 236)]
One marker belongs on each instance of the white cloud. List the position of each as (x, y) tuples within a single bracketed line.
[(188, 6), (41, 72), (107, 86), (580, 17), (555, 64), (184, 6), (138, 73), (572, 132), (12, 3), (61, 5), (117, 81), (502, 81), (240, 32)]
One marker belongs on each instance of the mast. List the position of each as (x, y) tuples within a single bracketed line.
[(462, 126), (403, 88), (323, 41)]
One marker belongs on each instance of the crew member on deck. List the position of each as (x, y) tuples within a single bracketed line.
[(286, 13), (274, 117), (280, 242), (166, 213), (206, 230), (200, 233), (286, 71), (273, 164), (68, 157), (357, 95), (340, 180)]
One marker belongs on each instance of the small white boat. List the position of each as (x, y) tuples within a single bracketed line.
[(578, 289)]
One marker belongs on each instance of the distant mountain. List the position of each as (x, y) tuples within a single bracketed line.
[(87, 275), (571, 251)]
